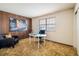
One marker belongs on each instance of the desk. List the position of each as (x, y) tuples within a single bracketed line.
[(37, 35)]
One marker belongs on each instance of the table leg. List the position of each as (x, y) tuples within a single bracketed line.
[(34, 40), (44, 41), (29, 39), (38, 42)]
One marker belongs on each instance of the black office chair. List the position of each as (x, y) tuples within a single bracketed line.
[(41, 32)]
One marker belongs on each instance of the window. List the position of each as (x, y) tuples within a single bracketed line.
[(51, 24), (42, 24), (48, 24)]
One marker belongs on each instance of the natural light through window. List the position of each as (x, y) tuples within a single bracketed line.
[(48, 24)]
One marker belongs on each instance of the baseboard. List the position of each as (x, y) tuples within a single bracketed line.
[(59, 43)]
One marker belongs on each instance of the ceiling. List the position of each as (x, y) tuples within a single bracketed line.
[(34, 9)]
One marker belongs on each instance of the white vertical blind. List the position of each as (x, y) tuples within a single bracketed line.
[(42, 24), (51, 24), (48, 24)]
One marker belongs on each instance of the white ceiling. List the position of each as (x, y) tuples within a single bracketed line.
[(34, 9)]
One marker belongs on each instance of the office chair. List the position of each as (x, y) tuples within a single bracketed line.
[(41, 32)]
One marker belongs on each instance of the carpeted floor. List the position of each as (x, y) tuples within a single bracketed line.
[(23, 48)]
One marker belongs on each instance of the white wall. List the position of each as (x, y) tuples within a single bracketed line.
[(64, 26), (75, 27), (76, 39), (78, 32)]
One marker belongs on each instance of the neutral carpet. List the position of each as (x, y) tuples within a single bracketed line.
[(23, 48)]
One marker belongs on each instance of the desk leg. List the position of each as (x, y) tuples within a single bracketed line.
[(44, 41), (38, 42), (34, 40), (29, 39)]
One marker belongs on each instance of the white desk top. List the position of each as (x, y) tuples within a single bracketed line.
[(37, 35)]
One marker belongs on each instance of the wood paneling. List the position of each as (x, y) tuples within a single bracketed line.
[(4, 24), (0, 23)]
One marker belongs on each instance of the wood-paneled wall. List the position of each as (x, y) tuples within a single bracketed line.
[(4, 24)]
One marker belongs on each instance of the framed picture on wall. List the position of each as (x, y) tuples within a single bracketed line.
[(17, 25)]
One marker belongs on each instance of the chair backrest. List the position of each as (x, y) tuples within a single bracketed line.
[(42, 32)]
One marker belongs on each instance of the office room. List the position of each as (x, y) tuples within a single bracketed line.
[(40, 29)]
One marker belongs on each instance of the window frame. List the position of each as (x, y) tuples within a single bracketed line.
[(48, 24)]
